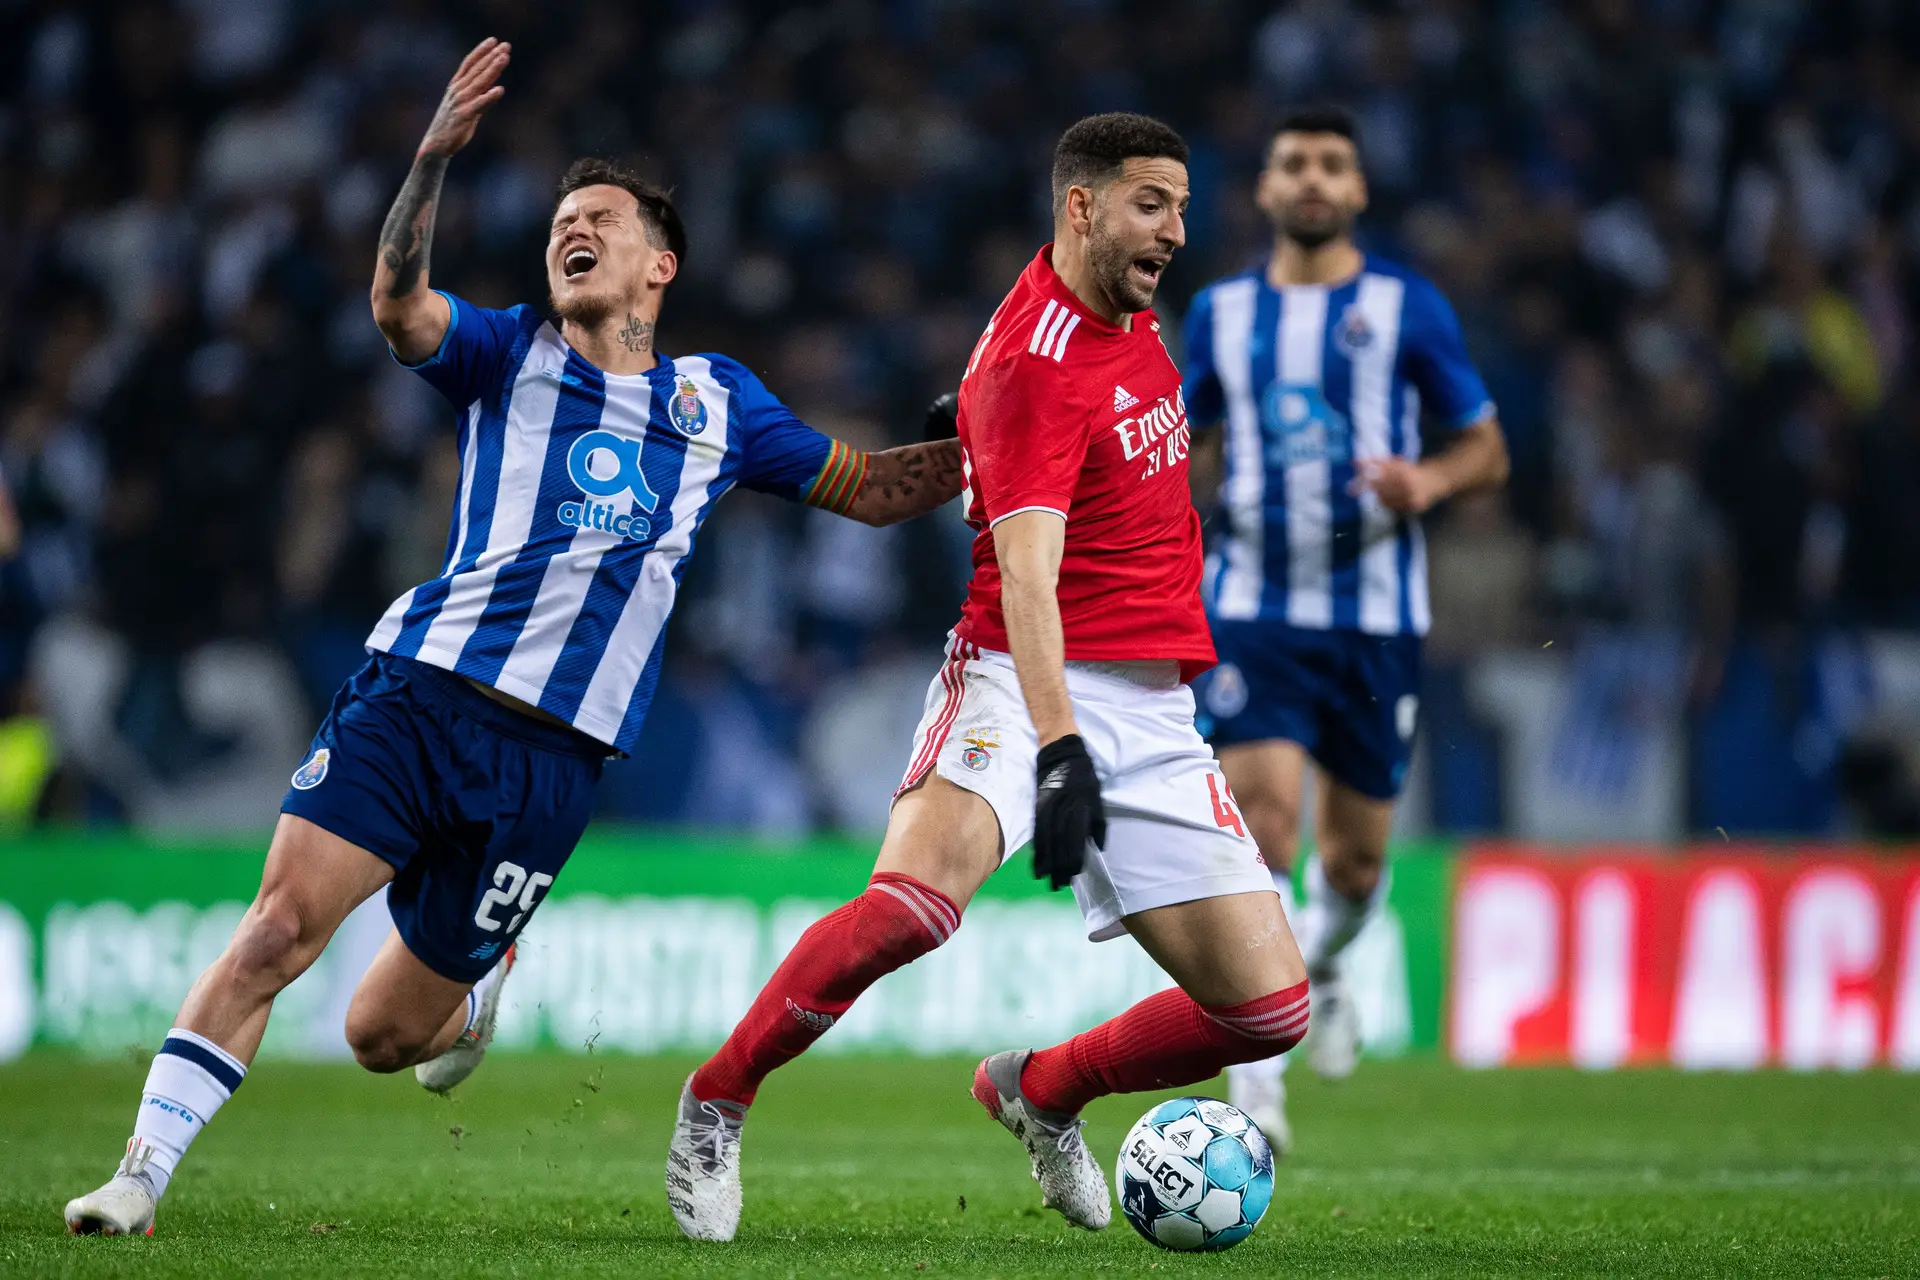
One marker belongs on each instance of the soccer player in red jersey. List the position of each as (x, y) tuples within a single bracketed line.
[(1062, 715)]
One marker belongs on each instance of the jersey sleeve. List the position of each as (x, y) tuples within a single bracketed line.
[(1437, 360), (1025, 427), (782, 455), (473, 352), (1200, 381)]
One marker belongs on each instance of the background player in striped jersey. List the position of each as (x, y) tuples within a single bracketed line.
[(457, 768), (1061, 714), (1318, 366)]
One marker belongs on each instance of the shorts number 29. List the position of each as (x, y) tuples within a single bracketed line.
[(510, 880)]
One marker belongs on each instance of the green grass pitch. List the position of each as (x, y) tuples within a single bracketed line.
[(551, 1166)]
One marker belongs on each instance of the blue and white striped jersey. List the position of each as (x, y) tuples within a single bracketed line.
[(580, 495), (1307, 379)]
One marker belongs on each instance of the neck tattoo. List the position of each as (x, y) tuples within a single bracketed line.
[(638, 335)]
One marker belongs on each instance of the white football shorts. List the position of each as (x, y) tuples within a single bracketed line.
[(1174, 833)]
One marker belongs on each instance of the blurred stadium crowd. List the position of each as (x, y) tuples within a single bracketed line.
[(1683, 237)]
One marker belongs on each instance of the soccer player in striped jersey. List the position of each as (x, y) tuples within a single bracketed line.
[(1315, 368), (457, 768)]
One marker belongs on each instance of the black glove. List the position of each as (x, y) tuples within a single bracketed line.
[(943, 419), (1067, 812)]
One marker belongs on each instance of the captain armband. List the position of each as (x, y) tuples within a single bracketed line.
[(838, 483)]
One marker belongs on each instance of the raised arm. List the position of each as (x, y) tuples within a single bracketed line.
[(413, 317)]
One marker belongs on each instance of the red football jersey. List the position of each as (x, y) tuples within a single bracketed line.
[(1061, 411)]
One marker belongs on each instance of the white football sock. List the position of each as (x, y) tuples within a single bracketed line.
[(473, 1005), (190, 1078), (1330, 920)]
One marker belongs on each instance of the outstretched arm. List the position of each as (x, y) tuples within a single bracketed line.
[(894, 485), (413, 317), (899, 484)]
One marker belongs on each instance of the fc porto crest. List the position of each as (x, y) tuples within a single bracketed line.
[(314, 771), (980, 746), (1226, 694), (686, 410), (1353, 334)]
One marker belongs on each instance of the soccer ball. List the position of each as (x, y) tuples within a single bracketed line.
[(1195, 1174)]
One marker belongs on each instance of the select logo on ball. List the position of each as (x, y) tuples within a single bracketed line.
[(1195, 1174)]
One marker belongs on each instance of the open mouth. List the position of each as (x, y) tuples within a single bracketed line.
[(578, 262), (1150, 268)]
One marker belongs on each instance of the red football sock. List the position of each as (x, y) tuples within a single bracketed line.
[(1163, 1042), (896, 920)]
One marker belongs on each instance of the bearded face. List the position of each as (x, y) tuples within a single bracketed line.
[(1117, 267), (598, 255), (1312, 189), (1137, 223)]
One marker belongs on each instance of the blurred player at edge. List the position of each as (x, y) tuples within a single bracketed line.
[(457, 768), (1061, 715), (1320, 361)]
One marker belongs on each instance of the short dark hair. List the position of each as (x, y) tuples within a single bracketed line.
[(1093, 151), (1319, 117), (664, 229)]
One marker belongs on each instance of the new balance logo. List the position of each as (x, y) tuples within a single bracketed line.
[(1123, 399), (818, 1021)]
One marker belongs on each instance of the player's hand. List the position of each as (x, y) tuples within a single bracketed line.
[(1406, 487), (1068, 812), (472, 90), (943, 418)]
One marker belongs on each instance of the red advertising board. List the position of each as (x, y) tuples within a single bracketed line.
[(1719, 958)]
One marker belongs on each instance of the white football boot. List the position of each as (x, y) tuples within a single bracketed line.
[(703, 1167), (462, 1057), (1333, 1037), (1260, 1090), (1070, 1179), (123, 1207)]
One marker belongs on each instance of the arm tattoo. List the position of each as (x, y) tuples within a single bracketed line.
[(638, 335), (900, 484), (406, 241)]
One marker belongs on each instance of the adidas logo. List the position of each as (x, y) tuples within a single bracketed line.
[(1123, 399)]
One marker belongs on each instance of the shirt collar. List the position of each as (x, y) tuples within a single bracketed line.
[(1049, 284)]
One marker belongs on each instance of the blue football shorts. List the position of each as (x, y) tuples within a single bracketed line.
[(1349, 698), (475, 806)]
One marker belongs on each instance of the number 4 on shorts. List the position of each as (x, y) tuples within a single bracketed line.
[(1226, 814)]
